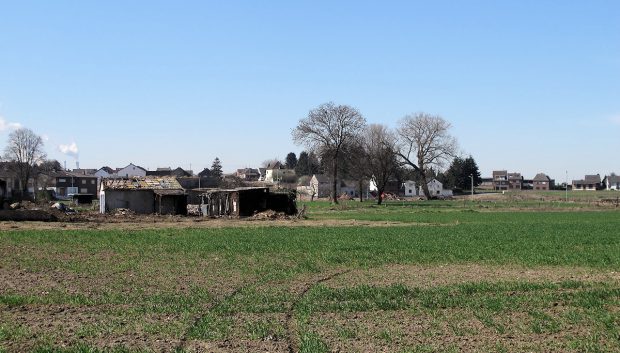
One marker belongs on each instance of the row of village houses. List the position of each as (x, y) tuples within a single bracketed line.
[(87, 181), (503, 180)]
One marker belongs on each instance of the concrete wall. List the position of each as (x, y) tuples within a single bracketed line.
[(139, 201)]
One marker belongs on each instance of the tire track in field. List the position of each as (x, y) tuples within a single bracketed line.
[(291, 326), (214, 304)]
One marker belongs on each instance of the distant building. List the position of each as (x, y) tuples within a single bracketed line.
[(178, 172), (105, 172), (590, 182), (435, 188), (248, 174), (84, 171), (393, 186), (131, 170), (69, 183), (486, 184), (279, 175), (410, 188), (542, 182), (502, 180), (612, 182), (262, 174), (320, 185)]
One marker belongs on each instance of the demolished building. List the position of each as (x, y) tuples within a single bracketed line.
[(245, 202), (143, 195)]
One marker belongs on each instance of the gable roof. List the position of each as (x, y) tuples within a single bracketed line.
[(107, 170), (276, 165), (130, 165), (541, 177), (589, 179), (613, 178), (321, 178)]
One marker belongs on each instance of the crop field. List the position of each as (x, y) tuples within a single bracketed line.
[(445, 276)]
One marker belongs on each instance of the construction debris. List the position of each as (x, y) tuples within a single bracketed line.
[(123, 212), (271, 215), (193, 210)]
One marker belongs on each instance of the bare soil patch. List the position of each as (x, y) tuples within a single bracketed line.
[(446, 330), (441, 275)]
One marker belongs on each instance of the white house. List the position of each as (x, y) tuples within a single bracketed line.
[(105, 172), (435, 187), (320, 185), (131, 171), (283, 175), (612, 182), (410, 188)]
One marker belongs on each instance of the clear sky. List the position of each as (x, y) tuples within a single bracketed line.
[(529, 86)]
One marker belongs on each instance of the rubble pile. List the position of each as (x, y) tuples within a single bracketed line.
[(24, 205), (390, 196), (270, 214), (123, 212), (193, 210)]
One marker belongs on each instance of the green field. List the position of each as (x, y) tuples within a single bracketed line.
[(416, 277)]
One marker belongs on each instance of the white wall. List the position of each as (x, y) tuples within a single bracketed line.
[(410, 188), (436, 189), (131, 171)]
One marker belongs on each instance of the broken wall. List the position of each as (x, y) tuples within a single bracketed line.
[(139, 201)]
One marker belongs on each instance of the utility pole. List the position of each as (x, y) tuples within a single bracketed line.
[(471, 176), (566, 186)]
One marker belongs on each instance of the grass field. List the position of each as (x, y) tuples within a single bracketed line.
[(417, 277)]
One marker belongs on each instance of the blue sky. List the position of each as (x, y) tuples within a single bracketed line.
[(529, 86)]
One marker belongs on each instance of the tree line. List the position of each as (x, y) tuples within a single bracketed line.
[(420, 144)]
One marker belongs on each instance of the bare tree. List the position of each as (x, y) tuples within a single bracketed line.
[(326, 130), (356, 167), (25, 150), (270, 163), (380, 156), (424, 142)]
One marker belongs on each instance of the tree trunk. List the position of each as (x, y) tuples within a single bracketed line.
[(335, 180), (380, 195), (427, 193), (361, 190)]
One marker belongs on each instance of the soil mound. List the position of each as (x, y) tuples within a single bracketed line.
[(23, 215)]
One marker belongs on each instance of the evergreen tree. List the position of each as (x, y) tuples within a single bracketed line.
[(302, 164), (471, 168), (216, 168), (307, 164), (313, 164), (291, 160), (458, 174)]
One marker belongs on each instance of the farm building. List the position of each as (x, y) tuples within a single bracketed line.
[(244, 202), (143, 195)]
